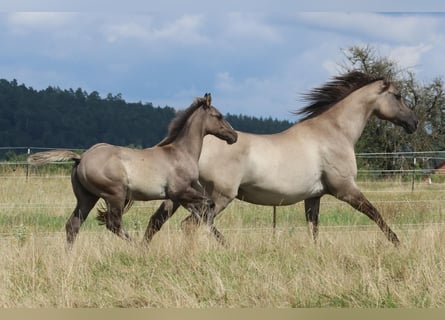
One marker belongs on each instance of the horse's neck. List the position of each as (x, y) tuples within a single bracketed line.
[(351, 116), (191, 138)]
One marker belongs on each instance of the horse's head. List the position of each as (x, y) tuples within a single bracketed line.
[(214, 122), (391, 106)]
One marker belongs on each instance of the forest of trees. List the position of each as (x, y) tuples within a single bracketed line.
[(76, 119)]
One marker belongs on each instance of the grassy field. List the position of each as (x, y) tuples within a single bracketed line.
[(352, 264)]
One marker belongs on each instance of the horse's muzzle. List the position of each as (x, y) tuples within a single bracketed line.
[(411, 126)]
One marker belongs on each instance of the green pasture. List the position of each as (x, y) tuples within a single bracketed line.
[(351, 265), (43, 201)]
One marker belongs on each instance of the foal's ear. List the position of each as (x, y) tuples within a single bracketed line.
[(385, 85), (208, 100)]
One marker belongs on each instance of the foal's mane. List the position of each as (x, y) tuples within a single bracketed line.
[(323, 98), (178, 122)]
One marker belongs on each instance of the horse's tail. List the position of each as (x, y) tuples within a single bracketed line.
[(102, 210), (44, 157)]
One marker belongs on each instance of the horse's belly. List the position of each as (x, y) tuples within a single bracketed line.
[(278, 196), (148, 194)]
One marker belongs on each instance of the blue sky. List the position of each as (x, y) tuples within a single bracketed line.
[(256, 59)]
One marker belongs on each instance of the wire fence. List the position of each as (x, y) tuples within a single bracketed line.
[(419, 171), (406, 167)]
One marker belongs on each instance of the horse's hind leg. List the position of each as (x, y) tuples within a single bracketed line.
[(312, 208), (164, 212)]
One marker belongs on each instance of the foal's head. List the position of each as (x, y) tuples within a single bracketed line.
[(201, 112), (390, 105), (214, 122)]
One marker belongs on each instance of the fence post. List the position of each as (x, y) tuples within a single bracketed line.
[(274, 219), (27, 165), (414, 173)]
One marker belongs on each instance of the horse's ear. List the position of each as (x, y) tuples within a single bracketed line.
[(208, 100)]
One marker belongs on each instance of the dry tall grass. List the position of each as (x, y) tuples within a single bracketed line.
[(350, 266)]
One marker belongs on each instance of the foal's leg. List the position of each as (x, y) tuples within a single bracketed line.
[(164, 212), (358, 201), (79, 215), (85, 202), (221, 202), (194, 198), (201, 209), (312, 208), (115, 208)]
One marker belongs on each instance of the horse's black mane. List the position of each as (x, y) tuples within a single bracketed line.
[(178, 122), (323, 98)]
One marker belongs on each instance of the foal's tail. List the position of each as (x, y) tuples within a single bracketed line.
[(44, 157)]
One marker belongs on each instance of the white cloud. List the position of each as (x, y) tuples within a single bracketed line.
[(271, 95), (254, 62), (229, 85), (250, 27), (126, 31), (331, 67), (185, 29), (389, 27), (225, 82), (28, 22), (409, 56)]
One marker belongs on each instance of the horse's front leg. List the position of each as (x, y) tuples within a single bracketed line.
[(357, 200), (164, 212)]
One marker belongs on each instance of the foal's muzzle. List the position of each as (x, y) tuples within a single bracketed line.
[(232, 138)]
